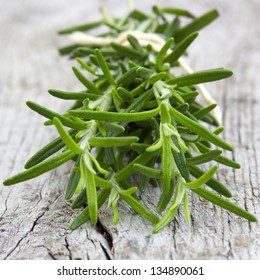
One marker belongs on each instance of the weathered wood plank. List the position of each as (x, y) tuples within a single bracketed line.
[(34, 216)]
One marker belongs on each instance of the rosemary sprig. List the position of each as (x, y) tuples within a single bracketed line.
[(134, 115)]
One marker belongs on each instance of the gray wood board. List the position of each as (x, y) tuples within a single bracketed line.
[(34, 216)]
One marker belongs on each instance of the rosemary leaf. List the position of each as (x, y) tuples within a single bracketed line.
[(180, 48), (139, 15), (92, 88), (129, 169), (144, 73), (204, 111), (140, 208), (48, 150), (177, 11), (104, 67), (90, 190), (113, 127), (212, 183), (180, 161), (186, 207), (80, 200), (161, 54), (157, 77), (139, 147), (200, 130), (72, 95), (167, 218), (203, 179), (124, 94), (220, 159), (200, 77), (172, 28), (196, 25), (165, 199), (114, 117), (166, 159), (209, 156), (147, 171), (84, 64), (100, 182), (67, 139), (84, 216), (231, 207), (68, 49), (51, 114), (81, 27), (127, 52), (134, 43), (128, 77), (112, 141), (40, 168), (73, 181)]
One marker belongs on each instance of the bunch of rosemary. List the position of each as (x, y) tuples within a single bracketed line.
[(135, 116)]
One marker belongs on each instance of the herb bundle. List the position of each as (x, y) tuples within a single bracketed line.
[(136, 117)]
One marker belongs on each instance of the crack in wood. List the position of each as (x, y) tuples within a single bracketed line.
[(21, 239), (5, 203), (67, 247), (107, 254), (105, 233)]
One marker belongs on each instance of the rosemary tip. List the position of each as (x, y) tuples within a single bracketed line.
[(228, 194), (74, 206), (253, 218), (28, 165), (216, 12), (230, 148), (5, 183), (156, 229), (9, 181), (195, 34), (29, 103), (64, 31), (230, 73), (52, 91), (71, 227)]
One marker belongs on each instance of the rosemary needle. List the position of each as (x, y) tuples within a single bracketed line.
[(133, 116)]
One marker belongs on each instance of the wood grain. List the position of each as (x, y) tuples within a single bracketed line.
[(34, 216)]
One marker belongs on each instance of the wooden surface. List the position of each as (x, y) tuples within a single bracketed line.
[(34, 216)]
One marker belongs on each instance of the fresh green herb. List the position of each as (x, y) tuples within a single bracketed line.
[(134, 117)]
